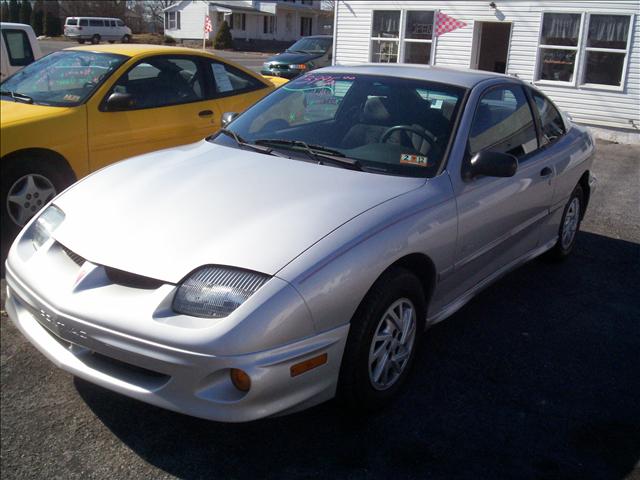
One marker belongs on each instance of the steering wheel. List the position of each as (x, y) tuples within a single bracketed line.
[(427, 135)]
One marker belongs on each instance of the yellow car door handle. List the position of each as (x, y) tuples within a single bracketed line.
[(205, 113)]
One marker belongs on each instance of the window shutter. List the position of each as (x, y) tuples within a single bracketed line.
[(178, 20), (244, 21), (166, 20)]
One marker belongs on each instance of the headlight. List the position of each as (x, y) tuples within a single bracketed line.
[(45, 225), (215, 292), (298, 66)]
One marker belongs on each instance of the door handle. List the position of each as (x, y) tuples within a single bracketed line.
[(205, 113), (546, 172)]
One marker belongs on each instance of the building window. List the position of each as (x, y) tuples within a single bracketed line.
[(606, 49), (595, 54), (418, 36), (558, 48), (402, 36), (238, 21), (385, 36), (305, 26), (268, 24), (172, 20)]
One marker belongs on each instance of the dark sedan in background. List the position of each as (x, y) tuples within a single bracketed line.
[(306, 54)]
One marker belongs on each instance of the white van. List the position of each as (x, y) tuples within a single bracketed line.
[(18, 48), (95, 29)]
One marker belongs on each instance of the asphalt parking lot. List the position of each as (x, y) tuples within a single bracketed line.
[(537, 378)]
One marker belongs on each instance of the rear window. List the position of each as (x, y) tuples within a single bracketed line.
[(96, 23), (72, 21), (18, 47)]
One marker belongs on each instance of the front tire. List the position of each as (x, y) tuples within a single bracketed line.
[(81, 41), (382, 341), (569, 226), (126, 39), (95, 39), (28, 183)]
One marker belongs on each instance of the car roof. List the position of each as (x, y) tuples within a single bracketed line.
[(462, 77), (136, 49), (14, 25), (100, 18)]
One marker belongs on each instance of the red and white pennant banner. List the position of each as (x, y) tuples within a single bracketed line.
[(446, 24), (207, 24)]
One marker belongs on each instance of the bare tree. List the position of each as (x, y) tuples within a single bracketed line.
[(155, 11)]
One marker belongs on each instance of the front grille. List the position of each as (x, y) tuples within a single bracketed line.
[(77, 259), (131, 280), (119, 277)]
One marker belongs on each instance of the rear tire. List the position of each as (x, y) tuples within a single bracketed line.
[(112, 41), (126, 39), (27, 184), (80, 41), (95, 39), (569, 227), (381, 347)]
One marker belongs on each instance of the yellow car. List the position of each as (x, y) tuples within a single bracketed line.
[(79, 109)]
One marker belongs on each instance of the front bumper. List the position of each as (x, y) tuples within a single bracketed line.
[(282, 73), (184, 381)]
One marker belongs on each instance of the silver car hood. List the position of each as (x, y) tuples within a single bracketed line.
[(166, 213)]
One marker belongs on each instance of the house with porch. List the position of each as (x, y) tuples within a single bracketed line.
[(255, 21)]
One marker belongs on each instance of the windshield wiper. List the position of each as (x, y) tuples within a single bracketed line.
[(243, 143), (17, 96), (316, 152)]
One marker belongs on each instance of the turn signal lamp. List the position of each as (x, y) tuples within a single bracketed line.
[(240, 379), (300, 368)]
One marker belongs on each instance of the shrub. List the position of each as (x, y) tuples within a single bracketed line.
[(169, 40), (223, 37)]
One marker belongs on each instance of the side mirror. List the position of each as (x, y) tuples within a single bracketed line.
[(227, 118), (492, 164), (119, 101)]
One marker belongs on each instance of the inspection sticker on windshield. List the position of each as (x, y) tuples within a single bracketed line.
[(417, 160)]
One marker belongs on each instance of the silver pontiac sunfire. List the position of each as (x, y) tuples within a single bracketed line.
[(299, 253)]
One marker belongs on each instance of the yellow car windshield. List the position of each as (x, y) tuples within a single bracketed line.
[(65, 78)]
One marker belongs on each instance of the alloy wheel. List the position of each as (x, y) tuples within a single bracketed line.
[(571, 221), (27, 195), (392, 344)]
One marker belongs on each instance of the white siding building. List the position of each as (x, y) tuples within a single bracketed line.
[(583, 54), (275, 20)]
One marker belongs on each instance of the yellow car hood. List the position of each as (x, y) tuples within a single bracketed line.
[(16, 112)]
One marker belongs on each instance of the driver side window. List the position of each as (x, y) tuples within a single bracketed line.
[(503, 122), (162, 81)]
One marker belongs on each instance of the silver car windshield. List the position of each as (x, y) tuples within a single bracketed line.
[(387, 124), (64, 78)]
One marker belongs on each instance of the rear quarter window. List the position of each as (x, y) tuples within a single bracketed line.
[(18, 47)]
